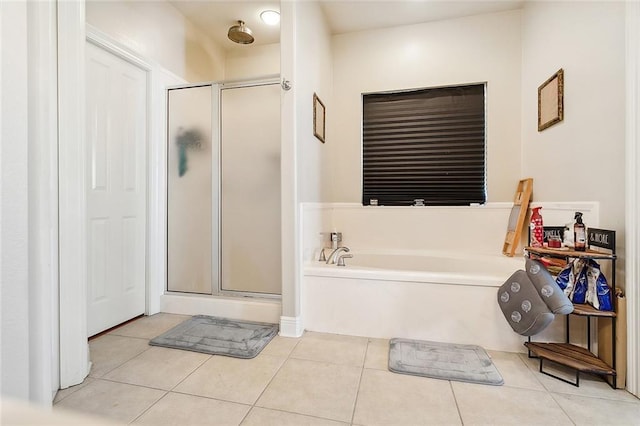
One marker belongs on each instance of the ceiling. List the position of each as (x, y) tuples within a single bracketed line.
[(215, 17), (343, 16), (350, 16)]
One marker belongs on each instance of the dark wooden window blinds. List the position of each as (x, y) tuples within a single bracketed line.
[(424, 144)]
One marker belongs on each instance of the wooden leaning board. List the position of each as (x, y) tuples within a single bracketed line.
[(517, 216)]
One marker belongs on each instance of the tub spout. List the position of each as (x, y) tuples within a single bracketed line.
[(334, 255), (341, 259)]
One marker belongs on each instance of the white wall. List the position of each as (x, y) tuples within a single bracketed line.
[(314, 75), (582, 157), (158, 31), (306, 62), (252, 61), (585, 152), (43, 202), (28, 197), (460, 51), (14, 212)]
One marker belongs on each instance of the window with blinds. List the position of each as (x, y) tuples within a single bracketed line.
[(426, 144)]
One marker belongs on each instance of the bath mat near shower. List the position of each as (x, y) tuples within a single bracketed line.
[(447, 361), (218, 336)]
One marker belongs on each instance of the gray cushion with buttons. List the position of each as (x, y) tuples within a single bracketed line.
[(522, 306), (546, 285)]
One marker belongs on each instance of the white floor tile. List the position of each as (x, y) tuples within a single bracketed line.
[(514, 371), (320, 380), (179, 409), (232, 379), (332, 348), (504, 405), (265, 417), (109, 352), (149, 327), (314, 388), (160, 368), (116, 401), (595, 411), (280, 346), (377, 356), (387, 398)]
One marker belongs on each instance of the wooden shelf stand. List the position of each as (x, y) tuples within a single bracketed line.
[(576, 357)]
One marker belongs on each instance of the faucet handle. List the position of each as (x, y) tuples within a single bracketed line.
[(322, 257), (336, 239), (341, 258)]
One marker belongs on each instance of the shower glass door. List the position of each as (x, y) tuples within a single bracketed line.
[(250, 189), (191, 177)]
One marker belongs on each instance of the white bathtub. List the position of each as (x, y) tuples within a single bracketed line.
[(440, 268), (441, 297)]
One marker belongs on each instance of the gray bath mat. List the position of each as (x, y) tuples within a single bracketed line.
[(218, 336), (464, 363)]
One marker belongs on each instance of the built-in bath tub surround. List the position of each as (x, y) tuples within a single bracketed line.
[(428, 273), (439, 297), (444, 268)]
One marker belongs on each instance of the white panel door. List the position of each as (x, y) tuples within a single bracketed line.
[(116, 189)]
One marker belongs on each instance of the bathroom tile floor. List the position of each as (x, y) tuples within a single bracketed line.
[(319, 379)]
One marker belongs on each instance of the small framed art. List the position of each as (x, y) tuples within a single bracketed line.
[(319, 122), (551, 101)]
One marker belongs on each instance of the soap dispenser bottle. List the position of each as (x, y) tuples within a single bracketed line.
[(536, 228), (579, 233)]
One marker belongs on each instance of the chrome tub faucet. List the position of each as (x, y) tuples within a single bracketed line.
[(335, 253)]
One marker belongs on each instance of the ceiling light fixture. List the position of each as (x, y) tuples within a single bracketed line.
[(270, 17)]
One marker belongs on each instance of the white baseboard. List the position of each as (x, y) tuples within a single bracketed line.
[(246, 309), (291, 326)]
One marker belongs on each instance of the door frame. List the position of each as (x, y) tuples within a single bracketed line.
[(632, 194), (75, 364)]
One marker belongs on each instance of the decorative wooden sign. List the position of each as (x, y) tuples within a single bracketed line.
[(553, 231), (601, 238)]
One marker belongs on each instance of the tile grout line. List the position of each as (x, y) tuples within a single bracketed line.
[(355, 401), (149, 407), (94, 378), (453, 392), (271, 380), (124, 335), (166, 392), (561, 408), (177, 392), (151, 387), (331, 362), (601, 398), (129, 384), (54, 402), (209, 358), (119, 365)]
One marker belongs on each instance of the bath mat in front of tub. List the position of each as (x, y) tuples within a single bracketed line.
[(218, 336), (447, 361)]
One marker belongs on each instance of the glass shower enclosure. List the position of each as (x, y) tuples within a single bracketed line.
[(223, 189)]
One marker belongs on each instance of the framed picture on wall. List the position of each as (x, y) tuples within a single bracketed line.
[(319, 123), (551, 101)]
